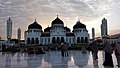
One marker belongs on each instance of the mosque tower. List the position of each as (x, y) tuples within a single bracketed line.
[(9, 29), (93, 33), (19, 33)]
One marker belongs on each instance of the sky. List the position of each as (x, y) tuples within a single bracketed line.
[(89, 12)]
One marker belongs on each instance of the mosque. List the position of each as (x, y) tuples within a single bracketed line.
[(57, 33)]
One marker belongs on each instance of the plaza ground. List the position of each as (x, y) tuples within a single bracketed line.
[(53, 59)]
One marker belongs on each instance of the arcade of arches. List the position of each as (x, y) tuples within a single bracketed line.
[(57, 40), (32, 41)]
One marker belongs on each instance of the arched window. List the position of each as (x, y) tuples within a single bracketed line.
[(78, 39), (86, 40), (62, 39), (82, 40), (28, 40), (37, 41), (53, 40), (32, 41)]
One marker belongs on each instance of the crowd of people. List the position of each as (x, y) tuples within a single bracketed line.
[(108, 51), (107, 48)]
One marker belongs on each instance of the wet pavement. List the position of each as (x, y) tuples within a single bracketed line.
[(53, 59)]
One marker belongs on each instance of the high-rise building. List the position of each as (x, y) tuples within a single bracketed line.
[(104, 29), (93, 33), (19, 33), (9, 29)]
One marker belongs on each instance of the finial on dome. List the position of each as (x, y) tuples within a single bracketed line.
[(78, 19), (35, 19), (57, 16)]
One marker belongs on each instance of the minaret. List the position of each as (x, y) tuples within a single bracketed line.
[(9, 29), (104, 29), (19, 35), (93, 33)]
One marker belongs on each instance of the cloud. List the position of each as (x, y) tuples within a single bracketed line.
[(24, 11)]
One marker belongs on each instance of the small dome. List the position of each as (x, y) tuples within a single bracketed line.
[(79, 25), (47, 29), (67, 29), (34, 25), (57, 21)]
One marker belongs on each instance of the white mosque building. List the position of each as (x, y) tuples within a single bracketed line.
[(57, 33)]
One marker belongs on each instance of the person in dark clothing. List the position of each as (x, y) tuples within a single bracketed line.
[(108, 55), (94, 49), (62, 50)]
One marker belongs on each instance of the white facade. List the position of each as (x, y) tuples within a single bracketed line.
[(9, 28), (57, 33), (104, 28)]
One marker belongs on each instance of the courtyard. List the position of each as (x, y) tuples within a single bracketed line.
[(53, 59)]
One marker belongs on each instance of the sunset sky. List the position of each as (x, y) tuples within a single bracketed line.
[(90, 13)]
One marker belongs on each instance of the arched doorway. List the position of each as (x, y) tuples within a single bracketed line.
[(36, 41), (53, 40), (28, 40), (62, 39), (58, 40), (78, 39), (82, 40), (32, 40), (86, 40)]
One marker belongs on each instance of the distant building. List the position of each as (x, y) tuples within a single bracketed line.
[(104, 28), (112, 38), (93, 33), (9, 29), (19, 33), (57, 33)]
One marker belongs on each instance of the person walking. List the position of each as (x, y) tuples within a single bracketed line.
[(94, 49), (117, 53), (62, 49), (108, 55)]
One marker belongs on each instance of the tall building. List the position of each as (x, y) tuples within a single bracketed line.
[(57, 33), (104, 28), (19, 33), (93, 33), (9, 29)]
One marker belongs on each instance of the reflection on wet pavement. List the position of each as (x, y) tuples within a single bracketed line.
[(52, 59)]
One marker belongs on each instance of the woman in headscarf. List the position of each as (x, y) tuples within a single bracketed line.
[(117, 53), (108, 55)]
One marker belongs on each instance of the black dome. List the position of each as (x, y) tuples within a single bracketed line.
[(47, 29), (79, 25), (57, 21), (34, 25), (67, 29)]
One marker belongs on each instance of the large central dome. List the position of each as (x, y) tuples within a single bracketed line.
[(79, 25), (57, 21), (34, 25)]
